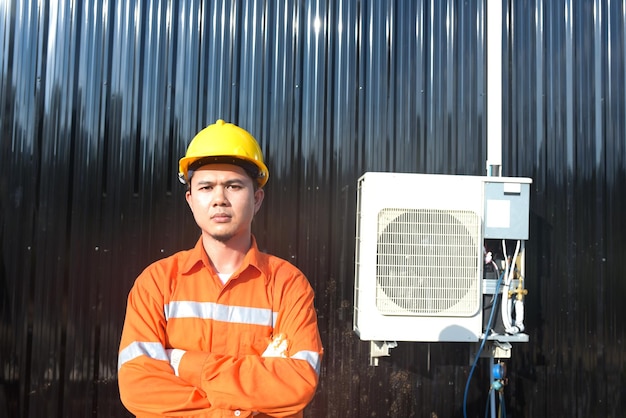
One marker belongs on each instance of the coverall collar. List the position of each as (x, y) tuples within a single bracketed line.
[(197, 255)]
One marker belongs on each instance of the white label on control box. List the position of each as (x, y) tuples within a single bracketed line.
[(498, 214), (512, 188)]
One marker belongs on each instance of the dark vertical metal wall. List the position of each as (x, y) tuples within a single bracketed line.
[(566, 127), (100, 98)]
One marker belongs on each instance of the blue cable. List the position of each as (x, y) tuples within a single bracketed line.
[(487, 404), (482, 344)]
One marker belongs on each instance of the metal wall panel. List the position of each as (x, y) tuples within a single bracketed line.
[(565, 128), (100, 98)]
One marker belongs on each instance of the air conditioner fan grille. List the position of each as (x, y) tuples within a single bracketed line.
[(428, 262)]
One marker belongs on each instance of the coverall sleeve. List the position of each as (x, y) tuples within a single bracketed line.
[(275, 386), (147, 383)]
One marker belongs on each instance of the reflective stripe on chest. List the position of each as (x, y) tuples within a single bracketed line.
[(219, 312)]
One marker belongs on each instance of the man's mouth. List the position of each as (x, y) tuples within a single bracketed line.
[(220, 217)]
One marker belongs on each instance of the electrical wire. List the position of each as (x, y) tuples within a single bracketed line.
[(482, 343), (502, 406), (487, 403)]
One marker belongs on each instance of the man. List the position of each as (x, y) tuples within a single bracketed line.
[(222, 329)]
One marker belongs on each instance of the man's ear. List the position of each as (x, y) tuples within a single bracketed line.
[(259, 194)]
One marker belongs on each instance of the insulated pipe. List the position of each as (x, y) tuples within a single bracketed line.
[(504, 299), (519, 302), (519, 314), (494, 88), (506, 302)]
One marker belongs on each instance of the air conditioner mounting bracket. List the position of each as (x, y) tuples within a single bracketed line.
[(380, 349)]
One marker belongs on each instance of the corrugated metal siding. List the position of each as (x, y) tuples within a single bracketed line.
[(99, 100), (565, 128)]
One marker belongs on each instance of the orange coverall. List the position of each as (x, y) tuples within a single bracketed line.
[(179, 302)]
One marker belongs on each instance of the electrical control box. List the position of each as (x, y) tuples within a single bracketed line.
[(507, 202)]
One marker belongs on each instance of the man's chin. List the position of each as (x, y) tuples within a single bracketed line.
[(222, 237)]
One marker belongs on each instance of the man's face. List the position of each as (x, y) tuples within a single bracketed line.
[(223, 201)]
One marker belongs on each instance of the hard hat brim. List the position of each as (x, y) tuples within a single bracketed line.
[(255, 169)]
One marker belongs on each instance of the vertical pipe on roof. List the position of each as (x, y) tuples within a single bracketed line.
[(494, 87)]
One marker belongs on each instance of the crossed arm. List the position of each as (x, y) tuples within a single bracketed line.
[(276, 382)]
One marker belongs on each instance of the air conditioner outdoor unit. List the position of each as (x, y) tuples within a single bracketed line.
[(420, 252)]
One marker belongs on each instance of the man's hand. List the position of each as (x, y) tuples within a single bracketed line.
[(277, 347), (174, 355)]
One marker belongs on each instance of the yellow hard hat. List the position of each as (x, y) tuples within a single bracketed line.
[(224, 143)]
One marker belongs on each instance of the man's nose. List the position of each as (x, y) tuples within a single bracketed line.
[(219, 196)]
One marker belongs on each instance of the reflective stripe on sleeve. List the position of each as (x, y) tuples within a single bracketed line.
[(311, 357), (138, 348), (218, 312)]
